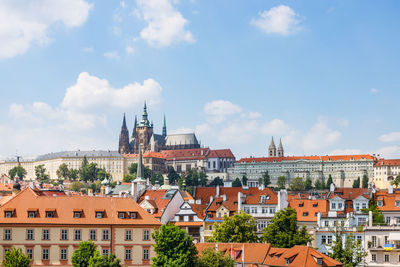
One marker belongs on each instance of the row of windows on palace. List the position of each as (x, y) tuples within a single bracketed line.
[(30, 234), (64, 253), (34, 213)]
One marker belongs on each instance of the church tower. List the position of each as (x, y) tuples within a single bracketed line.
[(272, 149), (144, 131), (164, 128), (124, 147), (280, 149), (134, 128)]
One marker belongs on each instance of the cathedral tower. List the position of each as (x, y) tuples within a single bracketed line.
[(280, 149), (272, 149), (124, 147), (144, 131)]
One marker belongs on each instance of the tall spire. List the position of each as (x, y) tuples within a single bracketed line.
[(124, 147), (134, 128), (164, 129), (272, 149), (145, 120), (280, 149)]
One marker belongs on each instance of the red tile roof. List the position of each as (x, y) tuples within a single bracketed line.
[(387, 162), (185, 154), (146, 155), (221, 153), (316, 158), (389, 200), (307, 209), (350, 193), (156, 200), (65, 206)]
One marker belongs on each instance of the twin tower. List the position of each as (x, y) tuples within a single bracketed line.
[(272, 152)]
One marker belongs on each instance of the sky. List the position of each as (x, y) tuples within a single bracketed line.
[(322, 75)]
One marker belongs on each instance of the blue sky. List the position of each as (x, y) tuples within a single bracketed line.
[(321, 75)]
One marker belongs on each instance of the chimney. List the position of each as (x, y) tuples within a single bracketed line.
[(217, 191), (319, 219), (370, 218), (211, 199), (239, 201), (224, 197)]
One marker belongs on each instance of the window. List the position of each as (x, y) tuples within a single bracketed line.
[(272, 210), (329, 239), (29, 253), (397, 203), (105, 235), (364, 205), (50, 214), (386, 239), (146, 254), (77, 235), (333, 206), (77, 214), (29, 234), (357, 206), (362, 221), (326, 223), (93, 234), (340, 206), (128, 254), (7, 234), (128, 234), (99, 214), (387, 259), (305, 213), (359, 239), (190, 218), (373, 241), (301, 204), (373, 257), (323, 239), (64, 234), (45, 234), (121, 215), (105, 251), (8, 214), (219, 215), (387, 220), (132, 215), (146, 235), (45, 254), (31, 214), (63, 254)]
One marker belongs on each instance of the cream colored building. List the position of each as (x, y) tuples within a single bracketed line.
[(49, 229), (385, 171)]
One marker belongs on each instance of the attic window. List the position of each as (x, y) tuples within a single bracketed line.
[(305, 213), (133, 215), (301, 204), (99, 214), (50, 213), (121, 215), (315, 205), (78, 214), (287, 261), (319, 261), (380, 203), (32, 213), (8, 214)]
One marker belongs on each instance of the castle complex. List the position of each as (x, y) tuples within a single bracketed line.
[(143, 135)]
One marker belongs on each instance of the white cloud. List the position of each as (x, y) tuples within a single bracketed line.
[(389, 152), (90, 91), (25, 22), (374, 91), (219, 110), (129, 50), (181, 130), (275, 127), (320, 136), (112, 55), (237, 133), (390, 137), (165, 25), (80, 121), (278, 20), (343, 122), (347, 151), (254, 115)]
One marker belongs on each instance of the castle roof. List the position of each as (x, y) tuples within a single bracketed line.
[(181, 139)]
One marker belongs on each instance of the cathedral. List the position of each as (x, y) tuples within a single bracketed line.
[(273, 152), (143, 137)]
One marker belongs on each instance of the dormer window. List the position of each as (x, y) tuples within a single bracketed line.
[(319, 261), (8, 214), (78, 214), (133, 215), (315, 205), (305, 213), (121, 215), (99, 214), (32, 213), (380, 203), (287, 261), (301, 204), (50, 213)]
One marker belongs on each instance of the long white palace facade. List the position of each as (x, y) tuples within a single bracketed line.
[(343, 169)]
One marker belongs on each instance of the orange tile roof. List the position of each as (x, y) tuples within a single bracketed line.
[(308, 208), (350, 193), (188, 223), (156, 198), (199, 209), (146, 155), (387, 162), (251, 252), (317, 158), (298, 256), (221, 153), (65, 205), (185, 154), (7, 187), (389, 200)]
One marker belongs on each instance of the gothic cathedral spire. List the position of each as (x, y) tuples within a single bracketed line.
[(164, 129), (272, 149), (280, 149), (123, 147), (134, 128)]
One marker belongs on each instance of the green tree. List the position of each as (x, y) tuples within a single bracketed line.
[(157, 177), (82, 255), (17, 171), (244, 180), (98, 260), (128, 178), (318, 184), (352, 254), (297, 184), (396, 181), (377, 215), (203, 179), (83, 171), (62, 172), (173, 176), (92, 171), (237, 183), (41, 175), (329, 182), (146, 171), (240, 228), (283, 231), (174, 247), (216, 181), (15, 258), (356, 183), (76, 186), (308, 184), (281, 182), (265, 179), (365, 181), (103, 174), (73, 174), (210, 258)]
